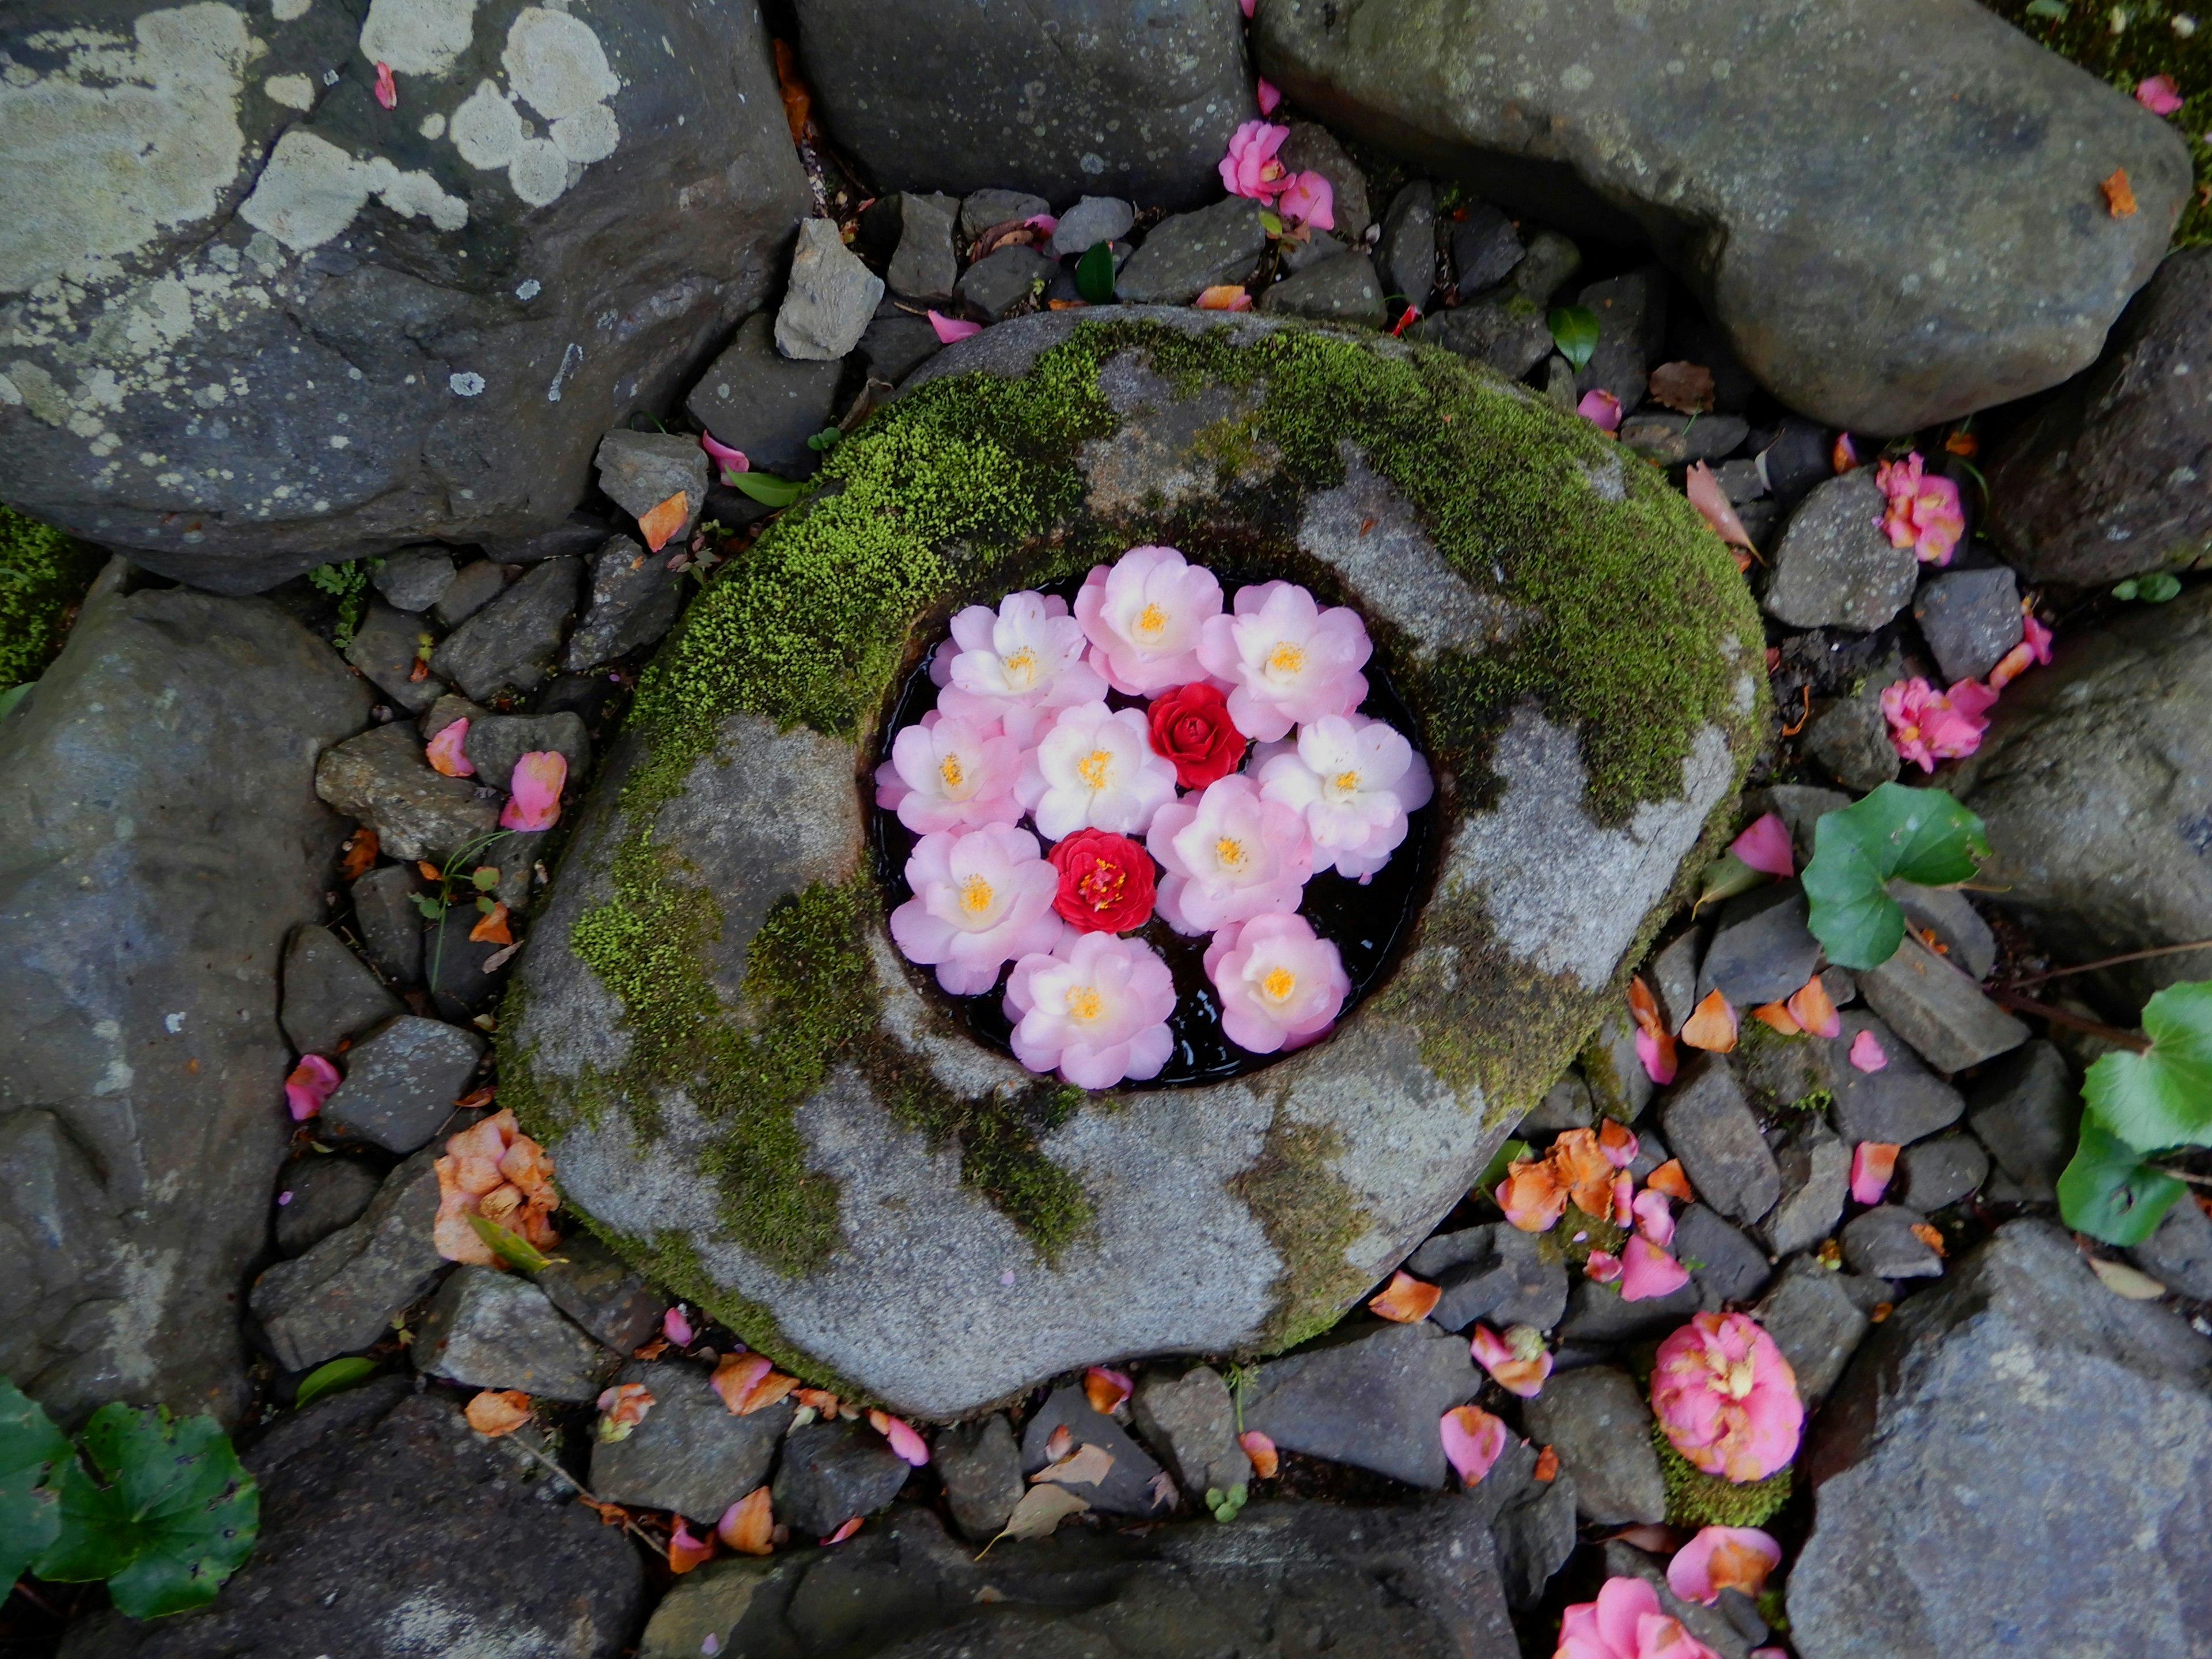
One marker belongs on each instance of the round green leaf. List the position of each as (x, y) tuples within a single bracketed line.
[(2109, 1193), (1922, 834), (2159, 587), (1574, 330), (1094, 274), (30, 1511), (333, 1377), (2163, 1097)]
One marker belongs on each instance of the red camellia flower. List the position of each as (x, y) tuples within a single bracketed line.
[(1191, 726), (1105, 882)]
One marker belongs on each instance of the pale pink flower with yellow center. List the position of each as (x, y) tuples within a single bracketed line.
[(1626, 1622), (1143, 619), (1723, 1557), (1356, 779), (1096, 769), (1281, 985), (1927, 726), (1230, 854), (1726, 1397), (1250, 168), (1286, 660), (981, 900), (948, 772), (1095, 1009), (1925, 512), (1016, 664)]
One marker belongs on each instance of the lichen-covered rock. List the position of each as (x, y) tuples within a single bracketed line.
[(256, 321), (743, 1082)]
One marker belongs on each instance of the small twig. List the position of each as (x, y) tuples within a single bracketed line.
[(582, 1491), (2019, 1004), (2184, 1175), (2112, 962)]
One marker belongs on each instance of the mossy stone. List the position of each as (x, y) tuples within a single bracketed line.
[(730, 1059)]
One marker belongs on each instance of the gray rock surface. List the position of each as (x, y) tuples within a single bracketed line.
[(1674, 440), (1815, 1322), (1577, 115), (1407, 249), (1816, 1173), (1969, 619), (497, 742), (1850, 739), (1494, 1273), (328, 993), (1312, 148), (1712, 1131), (753, 399), (923, 265), (511, 642), (1550, 264), (1597, 1315), (384, 647), (831, 297), (631, 601), (335, 330), (1512, 341), (1127, 1488), (1532, 1521), (1190, 252), (894, 346), (1632, 325), (982, 210), (401, 1082), (390, 1528), (1902, 1102), (1565, 1105), (600, 1292), (381, 779), (1834, 567), (1367, 1396), (2090, 780), (1931, 1174), (1761, 949), (1344, 289), (2105, 480), (1967, 942), (1484, 246), (691, 1453), (1092, 220), (490, 1329), (391, 927), (160, 838), (1938, 1010), (1880, 1244), (475, 585), (1002, 280), (1730, 1266), (2178, 1255), (2019, 1461), (1191, 1422), (639, 471), (414, 578), (316, 1195), (1596, 1420), (340, 1297), (1619, 1087), (982, 1468), (831, 1472)]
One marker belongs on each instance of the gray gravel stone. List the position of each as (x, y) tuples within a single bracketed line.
[(1408, 250), (497, 742), (1485, 247), (1815, 1322), (1565, 1105), (1850, 739), (1674, 440), (340, 1297), (1631, 325), (414, 578), (923, 265), (401, 1082), (1191, 1422), (1495, 1273), (317, 1194), (1619, 1087), (1762, 951), (1672, 973), (1549, 265), (604, 1295), (831, 1472), (831, 297), (391, 927), (1938, 1010), (982, 1468), (1816, 1172), (1880, 1244), (475, 585), (1969, 619), (1931, 1174), (381, 779), (980, 210), (1127, 1488), (1957, 927), (488, 1329), (998, 281), (1092, 220), (1834, 567), (461, 987), (1713, 1132), (384, 647), (2027, 1110), (639, 471), (753, 399), (691, 1453), (1185, 255), (2178, 1254), (1596, 1420), (1902, 1102), (1730, 1266), (1367, 1396), (328, 994), (631, 602), (1344, 289), (1312, 148), (512, 640), (443, 713), (1597, 1316), (1510, 340)]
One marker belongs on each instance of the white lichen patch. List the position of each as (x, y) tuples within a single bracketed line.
[(293, 91), (128, 139), (556, 64), (312, 190), (418, 37)]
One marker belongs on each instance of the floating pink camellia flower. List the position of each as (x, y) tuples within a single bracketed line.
[(1648, 1272), (1474, 1440), (1281, 985), (535, 802), (1764, 847), (1015, 663), (1653, 1218), (2155, 93), (1518, 1361), (1601, 409), (1925, 512), (1356, 779), (982, 899), (1603, 1267), (1286, 661), (446, 753), (677, 1327), (1723, 1557), (1094, 768), (1095, 1010), (1867, 1053), (1872, 1163), (312, 1082), (948, 772), (1267, 93), (1309, 199), (951, 331), (1726, 1397), (729, 459), (1927, 726), (1230, 854), (905, 1441), (1626, 1622), (1250, 168), (1144, 617)]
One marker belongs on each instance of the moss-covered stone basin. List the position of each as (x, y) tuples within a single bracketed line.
[(746, 1089)]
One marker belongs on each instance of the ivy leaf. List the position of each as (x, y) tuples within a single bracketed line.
[(2108, 1192), (1574, 330), (512, 1249), (30, 1513), (767, 488), (1922, 834), (332, 1376), (177, 1513), (2162, 1098), (1094, 274)]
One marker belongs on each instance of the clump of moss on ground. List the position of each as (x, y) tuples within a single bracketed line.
[(1695, 1498), (2144, 43), (44, 575)]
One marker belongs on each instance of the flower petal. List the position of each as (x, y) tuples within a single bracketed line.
[(953, 330), (1867, 1053), (1406, 1299), (1474, 1440), (1712, 1027), (1872, 1163), (748, 1526), (1765, 846)]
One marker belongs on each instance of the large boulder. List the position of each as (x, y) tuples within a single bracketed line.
[(744, 1084), (1129, 97), (159, 837), (2109, 478), (255, 321), (2095, 781), (2018, 1461), (1819, 173)]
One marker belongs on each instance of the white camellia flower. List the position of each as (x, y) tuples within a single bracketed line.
[(947, 773), (1144, 617), (1281, 985), (1356, 779), (1095, 1009), (981, 900), (1230, 854), (1016, 664), (1287, 660), (1096, 769)]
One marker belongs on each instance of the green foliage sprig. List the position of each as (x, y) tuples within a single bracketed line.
[(2139, 1103)]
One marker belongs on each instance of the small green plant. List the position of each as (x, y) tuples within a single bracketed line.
[(1225, 1505), (826, 440), (1574, 331), (332, 1376), (347, 583), (2156, 588), (158, 1506), (43, 577), (2139, 1103), (1921, 834)]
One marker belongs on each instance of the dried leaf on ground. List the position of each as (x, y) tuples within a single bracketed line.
[(748, 1383), (1086, 1466), (797, 102), (1687, 388), (2124, 1280), (1042, 1509), (665, 520), (360, 854), (497, 1411)]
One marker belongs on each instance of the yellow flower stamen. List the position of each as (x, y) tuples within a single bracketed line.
[(1348, 782), (1084, 1002), (1020, 667), (975, 895), (1279, 984), (1287, 659), (1151, 619), (1228, 853), (949, 770), (1096, 767)]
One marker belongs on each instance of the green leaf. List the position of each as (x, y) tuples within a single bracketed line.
[(1574, 330), (2159, 587), (484, 877), (513, 1249), (2163, 1097), (1724, 877), (1271, 221), (333, 1377), (2109, 1193), (826, 440), (431, 909), (1494, 1171), (1094, 274), (1922, 834), (2050, 9), (2126, 590), (30, 1511), (177, 1513), (768, 490)]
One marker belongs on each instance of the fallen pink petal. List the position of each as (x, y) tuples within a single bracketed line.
[(535, 803), (1311, 200), (445, 751), (1872, 1163), (1765, 846), (312, 1082), (1601, 409), (844, 1532), (2155, 93), (387, 88), (1654, 1219), (729, 459), (1723, 1557), (675, 1327), (1626, 1622), (1866, 1053), (953, 330), (1474, 1440), (1703, 488), (1623, 1198), (1603, 1267), (1269, 95), (1647, 1273), (1518, 1361), (1658, 1057), (903, 1440)]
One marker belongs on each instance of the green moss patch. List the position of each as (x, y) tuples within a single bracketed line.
[(1695, 1498), (44, 575), (1311, 1219)]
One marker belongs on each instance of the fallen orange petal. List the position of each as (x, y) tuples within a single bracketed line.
[(1531, 1194), (734, 1377), (427, 870), (824, 1402), (360, 854), (491, 928), (1262, 1451), (1616, 1137), (497, 1411), (1712, 1027), (1645, 1007), (1668, 1178), (1813, 1009), (685, 1552), (748, 1526), (1777, 1016), (798, 103), (665, 520), (1105, 1389), (2120, 194), (1579, 1164), (1928, 1235), (1548, 1465), (1225, 296), (1406, 1299), (1738, 1567)]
